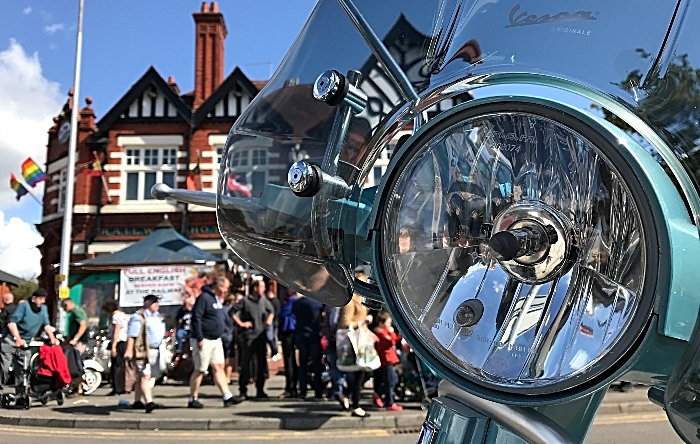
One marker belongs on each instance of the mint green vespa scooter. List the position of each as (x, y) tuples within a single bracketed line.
[(522, 181)]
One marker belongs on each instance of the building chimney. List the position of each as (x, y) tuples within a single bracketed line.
[(210, 32), (173, 85)]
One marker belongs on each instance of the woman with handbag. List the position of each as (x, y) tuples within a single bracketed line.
[(353, 317)]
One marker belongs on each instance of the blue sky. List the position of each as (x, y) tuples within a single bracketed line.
[(121, 39)]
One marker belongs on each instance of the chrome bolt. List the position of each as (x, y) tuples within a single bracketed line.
[(327, 85), (302, 177), (334, 88)]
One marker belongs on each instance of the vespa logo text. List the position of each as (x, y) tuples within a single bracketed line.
[(512, 137), (525, 19)]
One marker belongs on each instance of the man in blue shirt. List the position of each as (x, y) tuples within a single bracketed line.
[(25, 323), (143, 349)]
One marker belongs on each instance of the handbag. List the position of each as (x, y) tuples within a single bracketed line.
[(74, 360), (356, 352), (129, 376), (163, 357)]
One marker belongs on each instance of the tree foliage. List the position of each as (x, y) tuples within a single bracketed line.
[(669, 101), (24, 290)]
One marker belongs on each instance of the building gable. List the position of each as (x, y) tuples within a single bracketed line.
[(229, 100), (408, 48), (149, 99)]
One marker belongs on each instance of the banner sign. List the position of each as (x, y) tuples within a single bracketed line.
[(165, 281)]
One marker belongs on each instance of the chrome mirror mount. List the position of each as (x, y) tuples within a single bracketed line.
[(161, 191)]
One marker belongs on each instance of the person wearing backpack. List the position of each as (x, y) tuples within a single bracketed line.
[(145, 333)]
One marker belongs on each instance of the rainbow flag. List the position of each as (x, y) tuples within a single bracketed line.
[(32, 173), (17, 186)]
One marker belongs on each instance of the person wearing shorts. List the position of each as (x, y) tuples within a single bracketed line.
[(145, 332), (207, 350), (151, 368), (211, 353)]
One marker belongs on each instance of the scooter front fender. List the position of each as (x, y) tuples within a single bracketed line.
[(93, 365)]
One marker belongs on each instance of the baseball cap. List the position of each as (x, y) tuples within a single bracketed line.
[(151, 298)]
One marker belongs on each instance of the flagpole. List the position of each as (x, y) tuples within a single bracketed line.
[(35, 198), (70, 174)]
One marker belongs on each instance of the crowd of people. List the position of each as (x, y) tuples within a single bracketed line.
[(215, 325), (219, 329), (204, 329), (306, 327)]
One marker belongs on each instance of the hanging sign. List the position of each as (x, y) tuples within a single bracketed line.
[(63, 293), (165, 281)]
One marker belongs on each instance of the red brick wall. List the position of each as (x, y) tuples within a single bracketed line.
[(86, 188), (200, 141), (210, 32)]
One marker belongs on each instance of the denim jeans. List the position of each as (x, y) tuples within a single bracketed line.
[(390, 380), (180, 335), (337, 377)]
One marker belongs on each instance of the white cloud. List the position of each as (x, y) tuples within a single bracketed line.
[(29, 102), (18, 253), (27, 10), (55, 27)]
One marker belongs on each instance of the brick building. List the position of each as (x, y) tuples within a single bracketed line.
[(152, 134)]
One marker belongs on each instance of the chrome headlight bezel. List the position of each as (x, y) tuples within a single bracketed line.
[(600, 134)]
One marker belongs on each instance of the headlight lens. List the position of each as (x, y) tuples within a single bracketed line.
[(515, 251)]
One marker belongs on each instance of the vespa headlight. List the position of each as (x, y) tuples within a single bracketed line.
[(513, 246)]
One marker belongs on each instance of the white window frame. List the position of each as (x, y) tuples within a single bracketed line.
[(218, 153), (62, 182), (168, 152), (218, 146)]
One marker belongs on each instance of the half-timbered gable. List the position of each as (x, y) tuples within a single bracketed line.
[(213, 120), (228, 101), (149, 99), (143, 137)]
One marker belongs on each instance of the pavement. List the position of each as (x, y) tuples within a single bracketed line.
[(98, 411)]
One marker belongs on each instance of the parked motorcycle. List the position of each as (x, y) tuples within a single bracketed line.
[(522, 179), (97, 361), (178, 367)]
